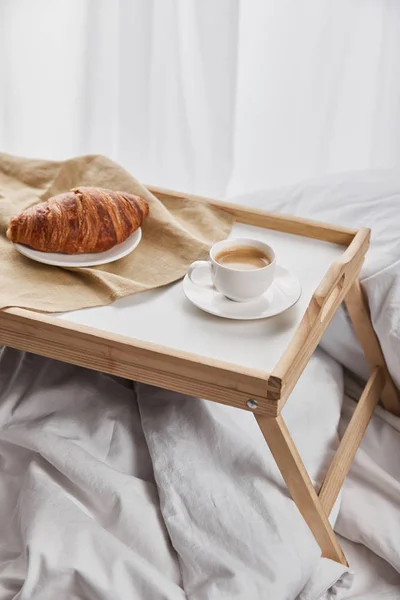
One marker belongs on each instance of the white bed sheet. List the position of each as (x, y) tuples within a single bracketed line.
[(374, 578), (81, 514), (93, 491)]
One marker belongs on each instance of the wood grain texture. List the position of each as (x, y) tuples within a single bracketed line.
[(358, 309), (351, 440), (300, 485), (140, 361), (323, 305), (269, 220)]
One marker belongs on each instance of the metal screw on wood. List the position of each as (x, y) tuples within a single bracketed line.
[(252, 404)]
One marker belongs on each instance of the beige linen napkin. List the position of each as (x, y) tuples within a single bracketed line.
[(176, 233)]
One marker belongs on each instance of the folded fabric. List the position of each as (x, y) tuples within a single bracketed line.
[(175, 233)]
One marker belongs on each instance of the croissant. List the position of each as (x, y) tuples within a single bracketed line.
[(86, 219)]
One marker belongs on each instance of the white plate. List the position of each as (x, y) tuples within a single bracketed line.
[(283, 293), (83, 260)]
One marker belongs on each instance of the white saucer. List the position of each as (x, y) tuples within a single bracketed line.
[(83, 260), (283, 293)]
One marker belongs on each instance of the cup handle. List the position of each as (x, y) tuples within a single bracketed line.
[(200, 264)]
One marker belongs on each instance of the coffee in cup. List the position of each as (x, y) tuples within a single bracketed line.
[(243, 257), (241, 269)]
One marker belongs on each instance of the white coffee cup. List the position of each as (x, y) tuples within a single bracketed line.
[(236, 284)]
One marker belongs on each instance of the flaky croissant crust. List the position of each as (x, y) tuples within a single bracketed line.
[(86, 219)]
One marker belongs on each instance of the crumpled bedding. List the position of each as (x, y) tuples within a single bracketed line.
[(111, 489), (80, 513), (116, 490)]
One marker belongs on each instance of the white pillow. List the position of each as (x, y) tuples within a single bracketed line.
[(363, 198)]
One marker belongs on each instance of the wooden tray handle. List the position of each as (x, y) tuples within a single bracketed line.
[(331, 287), (324, 302)]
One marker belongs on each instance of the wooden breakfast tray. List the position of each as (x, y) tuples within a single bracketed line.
[(159, 338)]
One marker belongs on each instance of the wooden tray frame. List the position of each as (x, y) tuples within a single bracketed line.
[(248, 389)]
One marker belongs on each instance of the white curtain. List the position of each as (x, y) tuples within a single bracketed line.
[(210, 96)]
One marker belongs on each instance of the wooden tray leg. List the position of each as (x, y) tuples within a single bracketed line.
[(300, 485), (358, 309), (351, 441)]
